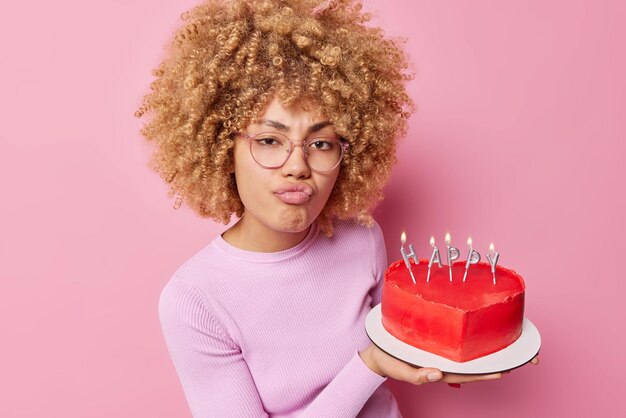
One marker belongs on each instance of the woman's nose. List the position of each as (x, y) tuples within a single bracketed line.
[(296, 164)]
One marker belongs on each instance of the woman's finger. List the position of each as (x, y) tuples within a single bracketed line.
[(462, 378)]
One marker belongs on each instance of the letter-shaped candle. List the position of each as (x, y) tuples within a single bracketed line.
[(473, 257), (493, 260), (453, 254), (434, 258), (407, 257)]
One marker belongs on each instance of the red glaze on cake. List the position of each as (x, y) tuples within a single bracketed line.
[(457, 320)]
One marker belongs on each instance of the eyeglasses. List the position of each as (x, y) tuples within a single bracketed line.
[(272, 150)]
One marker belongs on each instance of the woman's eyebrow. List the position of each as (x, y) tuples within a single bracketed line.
[(273, 124), (319, 126), (282, 127)]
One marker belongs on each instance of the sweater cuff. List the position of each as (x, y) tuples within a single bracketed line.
[(364, 373), (356, 382)]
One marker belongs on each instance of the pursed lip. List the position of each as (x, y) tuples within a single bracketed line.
[(294, 187), (294, 193)]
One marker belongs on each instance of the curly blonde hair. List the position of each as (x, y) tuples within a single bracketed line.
[(231, 57)]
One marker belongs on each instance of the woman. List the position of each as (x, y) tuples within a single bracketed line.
[(286, 114)]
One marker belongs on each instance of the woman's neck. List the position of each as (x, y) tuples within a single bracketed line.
[(251, 236)]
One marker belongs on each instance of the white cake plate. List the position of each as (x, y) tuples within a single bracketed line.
[(524, 349)]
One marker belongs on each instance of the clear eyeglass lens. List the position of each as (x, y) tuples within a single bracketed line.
[(269, 150), (272, 150)]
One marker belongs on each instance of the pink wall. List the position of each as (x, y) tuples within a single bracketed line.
[(519, 139)]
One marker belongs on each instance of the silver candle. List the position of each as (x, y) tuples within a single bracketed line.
[(407, 257), (493, 260), (434, 258), (453, 253), (473, 257)]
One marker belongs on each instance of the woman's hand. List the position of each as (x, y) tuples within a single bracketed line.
[(385, 365)]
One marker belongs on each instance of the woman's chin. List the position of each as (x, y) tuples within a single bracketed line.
[(295, 222)]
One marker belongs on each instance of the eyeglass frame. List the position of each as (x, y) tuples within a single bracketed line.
[(344, 146)]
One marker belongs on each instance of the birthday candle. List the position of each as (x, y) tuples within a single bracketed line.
[(434, 258), (453, 253), (407, 257), (493, 260), (473, 257)]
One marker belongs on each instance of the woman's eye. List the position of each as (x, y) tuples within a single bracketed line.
[(267, 141), (321, 145)]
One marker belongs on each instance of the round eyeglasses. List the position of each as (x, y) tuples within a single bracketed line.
[(272, 150)]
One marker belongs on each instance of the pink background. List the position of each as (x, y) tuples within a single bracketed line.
[(519, 139)]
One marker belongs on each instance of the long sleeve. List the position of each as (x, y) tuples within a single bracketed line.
[(215, 377), (346, 394), (213, 374)]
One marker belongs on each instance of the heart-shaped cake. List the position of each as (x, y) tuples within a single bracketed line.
[(458, 320)]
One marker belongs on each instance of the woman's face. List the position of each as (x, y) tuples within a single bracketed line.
[(273, 208)]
